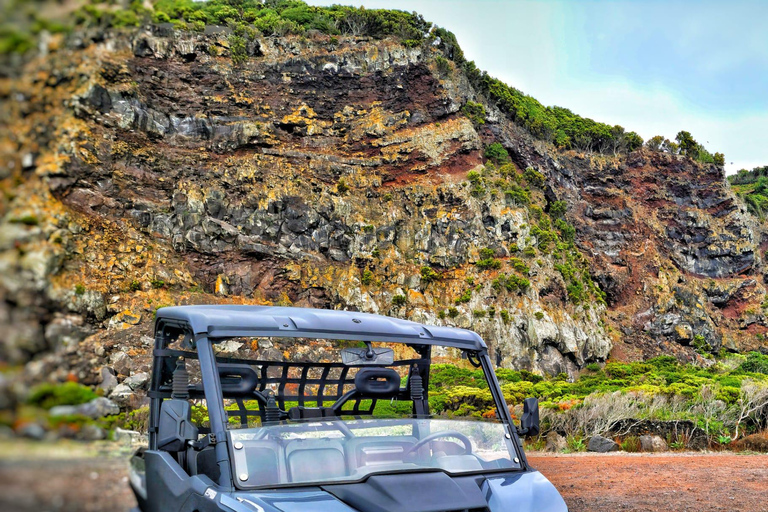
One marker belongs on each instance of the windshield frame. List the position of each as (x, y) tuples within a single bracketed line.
[(211, 392)]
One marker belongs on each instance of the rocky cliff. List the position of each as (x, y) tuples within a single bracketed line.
[(144, 168)]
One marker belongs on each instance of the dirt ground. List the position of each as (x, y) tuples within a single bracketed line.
[(92, 478)]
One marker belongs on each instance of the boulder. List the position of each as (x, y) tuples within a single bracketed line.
[(137, 381), (32, 431), (96, 408), (653, 444), (121, 394), (122, 363), (602, 444), (91, 432), (555, 442), (108, 379)]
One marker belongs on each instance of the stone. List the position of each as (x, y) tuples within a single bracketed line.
[(99, 407), (96, 408), (6, 432), (67, 331), (121, 363), (600, 444), (650, 443), (108, 379), (121, 394), (124, 320), (137, 381), (91, 432), (230, 346), (555, 442), (127, 437), (32, 431)]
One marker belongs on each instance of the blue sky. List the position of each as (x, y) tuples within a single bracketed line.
[(653, 66)]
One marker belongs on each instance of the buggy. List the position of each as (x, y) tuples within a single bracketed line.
[(281, 409)]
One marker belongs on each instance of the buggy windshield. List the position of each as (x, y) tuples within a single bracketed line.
[(303, 411), (338, 451)]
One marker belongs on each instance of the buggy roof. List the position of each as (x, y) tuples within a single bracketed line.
[(229, 321)]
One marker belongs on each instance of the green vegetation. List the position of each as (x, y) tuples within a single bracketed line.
[(270, 18), (428, 275), (475, 112), (27, 220), (511, 283), (50, 395), (752, 187), (367, 277), (496, 153), (398, 300), (464, 297), (717, 399), (487, 260), (342, 187)]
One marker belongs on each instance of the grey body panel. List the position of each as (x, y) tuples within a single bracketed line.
[(228, 321)]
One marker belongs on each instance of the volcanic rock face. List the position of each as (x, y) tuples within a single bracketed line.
[(154, 172)]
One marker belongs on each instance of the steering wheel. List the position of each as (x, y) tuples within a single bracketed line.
[(437, 435)]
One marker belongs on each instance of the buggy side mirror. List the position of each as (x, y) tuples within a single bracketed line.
[(529, 423)]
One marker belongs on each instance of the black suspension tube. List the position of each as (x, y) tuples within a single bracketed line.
[(157, 375)]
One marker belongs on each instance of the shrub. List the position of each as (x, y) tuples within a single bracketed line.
[(367, 277), (520, 266), (534, 177), (398, 300), (237, 49), (557, 209), (475, 112), (79, 289), (157, 283), (134, 286), (755, 363), (70, 393), (453, 312), (342, 187), (428, 275), (27, 220), (496, 153), (630, 444), (464, 297), (444, 67)]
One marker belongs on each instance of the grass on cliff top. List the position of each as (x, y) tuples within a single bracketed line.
[(248, 18)]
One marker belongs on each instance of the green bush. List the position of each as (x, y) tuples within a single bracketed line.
[(399, 300), (464, 297), (428, 275), (534, 177), (755, 363), (475, 112), (496, 153), (237, 49), (50, 395), (367, 277)]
